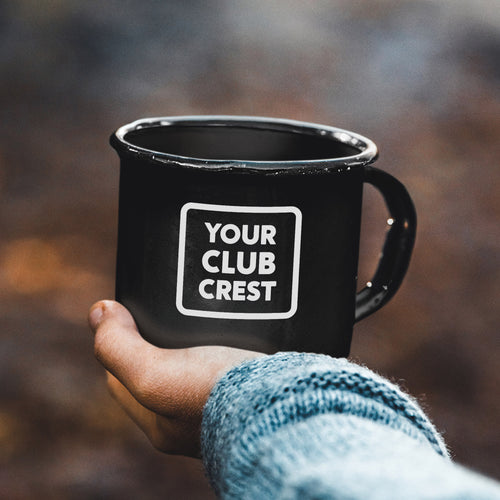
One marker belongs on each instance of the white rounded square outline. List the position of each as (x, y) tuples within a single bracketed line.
[(238, 209)]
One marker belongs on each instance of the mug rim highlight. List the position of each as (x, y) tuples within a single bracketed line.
[(367, 154)]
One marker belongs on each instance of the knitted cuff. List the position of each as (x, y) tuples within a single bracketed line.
[(259, 397)]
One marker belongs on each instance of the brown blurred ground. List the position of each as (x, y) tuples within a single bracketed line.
[(420, 78)]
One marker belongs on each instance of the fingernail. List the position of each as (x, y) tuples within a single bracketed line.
[(95, 315)]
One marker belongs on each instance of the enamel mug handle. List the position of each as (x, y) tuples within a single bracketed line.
[(398, 245)]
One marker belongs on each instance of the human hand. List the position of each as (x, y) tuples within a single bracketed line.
[(162, 390)]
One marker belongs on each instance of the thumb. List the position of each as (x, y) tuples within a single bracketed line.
[(118, 344), (106, 309), (169, 381)]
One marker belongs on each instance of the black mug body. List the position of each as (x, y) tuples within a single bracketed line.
[(244, 232)]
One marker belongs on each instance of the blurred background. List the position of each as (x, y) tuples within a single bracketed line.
[(421, 78)]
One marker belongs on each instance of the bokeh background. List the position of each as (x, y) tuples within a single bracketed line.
[(421, 78)]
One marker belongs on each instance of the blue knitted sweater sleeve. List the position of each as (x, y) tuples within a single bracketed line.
[(308, 426)]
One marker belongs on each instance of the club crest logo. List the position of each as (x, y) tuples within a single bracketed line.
[(238, 262)]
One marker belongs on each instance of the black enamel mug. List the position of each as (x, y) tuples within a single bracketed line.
[(244, 232)]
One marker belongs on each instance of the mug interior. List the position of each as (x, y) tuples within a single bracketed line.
[(233, 142)]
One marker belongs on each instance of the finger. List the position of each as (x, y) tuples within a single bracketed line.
[(173, 382), (167, 435), (143, 417), (104, 309), (159, 379), (119, 346)]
